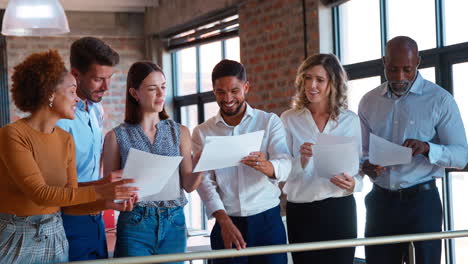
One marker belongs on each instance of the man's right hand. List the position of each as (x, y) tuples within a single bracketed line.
[(229, 232), (373, 171)]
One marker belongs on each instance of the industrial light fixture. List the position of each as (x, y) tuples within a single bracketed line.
[(34, 18)]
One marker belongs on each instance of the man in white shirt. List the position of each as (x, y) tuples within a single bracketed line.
[(244, 199)]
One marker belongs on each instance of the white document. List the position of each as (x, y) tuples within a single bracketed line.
[(334, 155), (227, 151), (385, 153), (156, 176)]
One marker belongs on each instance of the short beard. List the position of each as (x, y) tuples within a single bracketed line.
[(400, 91), (235, 112)]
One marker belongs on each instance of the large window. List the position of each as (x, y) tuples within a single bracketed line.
[(194, 53), (438, 26)]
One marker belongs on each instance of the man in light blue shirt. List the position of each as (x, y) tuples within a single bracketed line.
[(416, 113), (92, 64)]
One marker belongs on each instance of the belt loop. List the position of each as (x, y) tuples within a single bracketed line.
[(146, 211)]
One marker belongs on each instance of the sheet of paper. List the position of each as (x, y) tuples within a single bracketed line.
[(227, 151), (156, 176), (385, 153), (336, 154)]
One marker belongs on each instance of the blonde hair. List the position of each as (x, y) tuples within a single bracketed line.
[(337, 81)]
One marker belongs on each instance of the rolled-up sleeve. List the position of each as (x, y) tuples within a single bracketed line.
[(208, 186)]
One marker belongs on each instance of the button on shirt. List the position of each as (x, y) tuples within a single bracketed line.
[(427, 113), (86, 130), (304, 184), (242, 190)]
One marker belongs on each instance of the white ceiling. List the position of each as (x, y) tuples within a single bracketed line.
[(102, 5)]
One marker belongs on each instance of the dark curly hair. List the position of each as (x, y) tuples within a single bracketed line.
[(88, 50), (35, 79)]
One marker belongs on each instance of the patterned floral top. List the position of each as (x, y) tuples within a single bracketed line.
[(166, 143)]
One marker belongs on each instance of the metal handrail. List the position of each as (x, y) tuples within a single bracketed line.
[(263, 250)]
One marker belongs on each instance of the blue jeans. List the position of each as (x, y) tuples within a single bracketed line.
[(86, 235), (151, 231)]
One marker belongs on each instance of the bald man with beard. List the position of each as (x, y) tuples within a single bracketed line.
[(416, 113)]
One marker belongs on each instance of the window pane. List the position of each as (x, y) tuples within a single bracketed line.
[(428, 74), (460, 79), (460, 214), (211, 109), (232, 49), (193, 212), (210, 55), (358, 88), (360, 33), (186, 72), (189, 116), (415, 19), (456, 21)]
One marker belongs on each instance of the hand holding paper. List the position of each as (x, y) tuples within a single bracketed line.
[(385, 153), (227, 151), (258, 161), (152, 173), (306, 153)]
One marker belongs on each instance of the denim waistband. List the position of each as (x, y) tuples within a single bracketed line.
[(149, 210)]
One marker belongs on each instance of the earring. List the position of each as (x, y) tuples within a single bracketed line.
[(50, 103)]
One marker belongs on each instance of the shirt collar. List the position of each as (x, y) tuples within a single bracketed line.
[(416, 87), (249, 112)]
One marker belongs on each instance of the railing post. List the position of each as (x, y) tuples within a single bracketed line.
[(412, 253)]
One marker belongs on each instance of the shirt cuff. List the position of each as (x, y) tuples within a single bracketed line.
[(282, 168), (435, 153), (213, 206)]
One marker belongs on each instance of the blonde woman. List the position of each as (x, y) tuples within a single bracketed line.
[(320, 209)]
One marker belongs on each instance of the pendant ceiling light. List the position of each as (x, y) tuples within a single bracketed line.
[(34, 18)]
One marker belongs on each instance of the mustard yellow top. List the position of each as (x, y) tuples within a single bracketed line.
[(38, 171)]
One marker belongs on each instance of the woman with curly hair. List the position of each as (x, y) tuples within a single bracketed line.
[(319, 208), (37, 165)]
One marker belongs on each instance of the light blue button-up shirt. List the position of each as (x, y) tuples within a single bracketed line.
[(427, 113), (86, 130)]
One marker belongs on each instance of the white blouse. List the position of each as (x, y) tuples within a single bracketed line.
[(303, 184)]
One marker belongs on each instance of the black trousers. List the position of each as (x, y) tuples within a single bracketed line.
[(329, 219), (420, 213)]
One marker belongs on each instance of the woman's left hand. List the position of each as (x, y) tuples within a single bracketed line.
[(344, 181), (258, 161)]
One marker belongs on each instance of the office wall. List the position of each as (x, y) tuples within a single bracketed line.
[(123, 31)]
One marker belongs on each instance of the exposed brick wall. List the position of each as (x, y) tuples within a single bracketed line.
[(131, 48), (272, 47)]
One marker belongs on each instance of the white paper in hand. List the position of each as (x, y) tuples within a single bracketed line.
[(227, 151), (152, 173), (334, 155), (385, 153)]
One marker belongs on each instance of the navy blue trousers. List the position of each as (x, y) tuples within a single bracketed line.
[(387, 216), (262, 229), (86, 236), (328, 219)]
